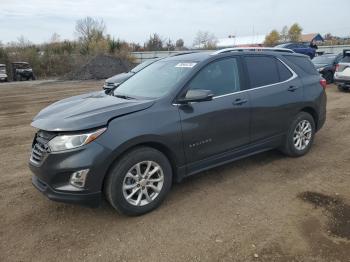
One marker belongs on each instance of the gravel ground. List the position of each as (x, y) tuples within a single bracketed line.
[(264, 208)]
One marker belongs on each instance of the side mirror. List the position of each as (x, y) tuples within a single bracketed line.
[(196, 95), (109, 89)]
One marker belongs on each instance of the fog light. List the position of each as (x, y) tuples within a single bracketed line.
[(78, 178)]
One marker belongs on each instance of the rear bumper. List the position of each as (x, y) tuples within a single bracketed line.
[(90, 199), (343, 82)]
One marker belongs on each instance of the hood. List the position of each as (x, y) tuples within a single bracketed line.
[(320, 65), (120, 78), (86, 111)]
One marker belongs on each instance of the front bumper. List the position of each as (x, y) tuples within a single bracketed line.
[(87, 199), (52, 175)]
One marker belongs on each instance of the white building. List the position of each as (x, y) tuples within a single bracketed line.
[(240, 41)]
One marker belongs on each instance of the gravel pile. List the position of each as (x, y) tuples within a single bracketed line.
[(99, 67)]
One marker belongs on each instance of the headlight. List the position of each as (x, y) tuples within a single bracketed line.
[(65, 142), (320, 69)]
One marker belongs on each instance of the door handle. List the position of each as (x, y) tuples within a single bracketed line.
[(240, 101), (292, 88)]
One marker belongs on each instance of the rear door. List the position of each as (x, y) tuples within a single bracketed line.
[(222, 124), (274, 91)]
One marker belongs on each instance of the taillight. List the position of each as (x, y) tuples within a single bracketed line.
[(323, 83), (337, 68)]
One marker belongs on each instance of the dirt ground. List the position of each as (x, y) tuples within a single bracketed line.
[(264, 208)]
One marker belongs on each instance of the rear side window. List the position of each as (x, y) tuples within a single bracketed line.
[(302, 63), (262, 70), (284, 72)]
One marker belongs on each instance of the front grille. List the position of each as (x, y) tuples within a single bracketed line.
[(40, 146)]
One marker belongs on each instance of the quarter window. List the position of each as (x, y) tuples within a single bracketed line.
[(284, 72), (221, 77), (262, 70)]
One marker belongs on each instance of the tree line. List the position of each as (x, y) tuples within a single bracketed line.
[(58, 57)]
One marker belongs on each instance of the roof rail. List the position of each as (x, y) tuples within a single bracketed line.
[(256, 49), (184, 53)]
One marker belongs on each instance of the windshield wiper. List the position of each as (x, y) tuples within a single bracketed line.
[(124, 96)]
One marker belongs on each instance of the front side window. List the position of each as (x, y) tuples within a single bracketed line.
[(262, 70), (156, 80), (221, 77)]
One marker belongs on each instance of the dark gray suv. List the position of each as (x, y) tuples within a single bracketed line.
[(177, 117)]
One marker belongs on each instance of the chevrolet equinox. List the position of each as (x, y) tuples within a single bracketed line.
[(177, 117)]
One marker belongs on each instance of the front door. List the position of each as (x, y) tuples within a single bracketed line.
[(222, 124)]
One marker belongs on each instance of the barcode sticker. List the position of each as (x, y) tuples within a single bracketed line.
[(188, 65)]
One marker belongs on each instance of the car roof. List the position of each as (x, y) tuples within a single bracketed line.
[(2, 65), (20, 63), (203, 55)]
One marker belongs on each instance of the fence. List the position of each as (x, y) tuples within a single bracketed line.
[(143, 56)]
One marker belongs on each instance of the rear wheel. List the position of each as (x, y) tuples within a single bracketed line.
[(139, 181), (300, 135)]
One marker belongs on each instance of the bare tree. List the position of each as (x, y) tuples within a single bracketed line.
[(284, 34), (89, 31), (55, 38), (88, 28), (22, 42), (205, 39), (154, 43)]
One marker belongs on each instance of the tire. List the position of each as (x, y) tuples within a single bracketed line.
[(122, 181), (343, 88), (329, 77), (291, 146)]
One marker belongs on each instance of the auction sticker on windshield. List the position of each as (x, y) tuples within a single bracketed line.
[(189, 65)]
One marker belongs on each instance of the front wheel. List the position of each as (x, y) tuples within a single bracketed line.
[(300, 135), (139, 181)]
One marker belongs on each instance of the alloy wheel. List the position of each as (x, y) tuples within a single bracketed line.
[(302, 135), (143, 183)]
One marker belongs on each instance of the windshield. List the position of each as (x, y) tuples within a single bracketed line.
[(22, 66), (142, 65), (156, 80), (323, 59)]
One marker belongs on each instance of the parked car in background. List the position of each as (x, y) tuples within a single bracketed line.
[(299, 48), (116, 80), (342, 72), (3, 73), (22, 71), (179, 116), (326, 65)]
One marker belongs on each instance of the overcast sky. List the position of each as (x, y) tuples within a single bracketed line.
[(135, 20)]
